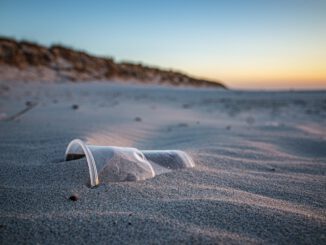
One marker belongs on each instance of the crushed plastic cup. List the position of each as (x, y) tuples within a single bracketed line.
[(116, 164)]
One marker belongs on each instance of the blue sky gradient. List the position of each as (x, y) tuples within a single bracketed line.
[(247, 44)]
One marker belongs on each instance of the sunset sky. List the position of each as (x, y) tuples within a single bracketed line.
[(247, 44)]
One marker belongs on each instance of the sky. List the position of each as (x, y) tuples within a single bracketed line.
[(250, 44)]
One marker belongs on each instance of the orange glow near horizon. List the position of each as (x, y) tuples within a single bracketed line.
[(302, 79), (259, 64), (302, 74)]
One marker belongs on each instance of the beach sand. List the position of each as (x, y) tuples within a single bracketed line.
[(259, 176)]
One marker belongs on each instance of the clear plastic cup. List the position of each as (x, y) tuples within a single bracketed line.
[(116, 164)]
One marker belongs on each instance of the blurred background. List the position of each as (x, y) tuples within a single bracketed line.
[(246, 44)]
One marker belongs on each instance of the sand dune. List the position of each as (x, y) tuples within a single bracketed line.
[(259, 175), (28, 61)]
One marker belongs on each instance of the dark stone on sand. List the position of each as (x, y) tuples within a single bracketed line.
[(28, 103), (74, 197)]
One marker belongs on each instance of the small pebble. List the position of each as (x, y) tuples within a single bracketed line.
[(75, 107), (28, 103), (74, 197)]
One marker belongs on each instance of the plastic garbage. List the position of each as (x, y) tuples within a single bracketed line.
[(116, 164)]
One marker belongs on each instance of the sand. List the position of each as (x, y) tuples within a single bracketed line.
[(259, 175)]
